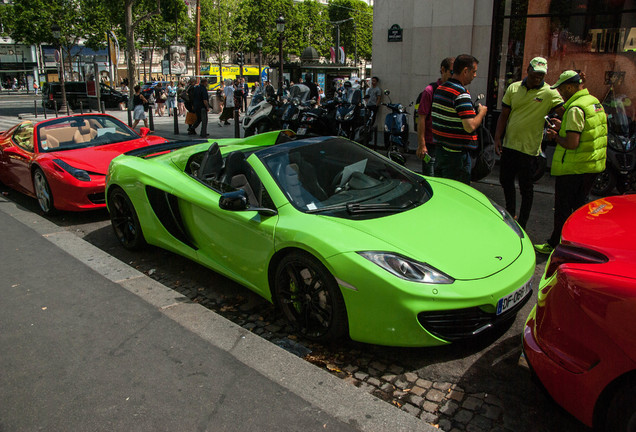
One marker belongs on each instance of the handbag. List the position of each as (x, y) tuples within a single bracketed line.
[(163, 96), (191, 118)]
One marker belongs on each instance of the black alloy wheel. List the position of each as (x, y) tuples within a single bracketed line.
[(621, 413), (310, 298), (124, 220), (43, 192), (604, 183)]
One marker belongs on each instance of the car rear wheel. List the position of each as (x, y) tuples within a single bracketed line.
[(124, 220), (310, 298), (43, 192), (621, 414)]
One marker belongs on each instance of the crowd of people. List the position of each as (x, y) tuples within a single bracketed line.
[(448, 121)]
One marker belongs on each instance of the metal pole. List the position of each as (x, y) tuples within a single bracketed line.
[(151, 120), (55, 107), (81, 107), (260, 81), (35, 108), (280, 75), (103, 107), (175, 116), (237, 129), (129, 117), (204, 122), (197, 63)]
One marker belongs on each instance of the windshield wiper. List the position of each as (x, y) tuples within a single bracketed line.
[(357, 208)]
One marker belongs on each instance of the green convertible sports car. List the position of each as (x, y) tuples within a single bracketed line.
[(341, 239)]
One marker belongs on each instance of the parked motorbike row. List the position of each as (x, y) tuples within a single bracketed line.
[(346, 115)]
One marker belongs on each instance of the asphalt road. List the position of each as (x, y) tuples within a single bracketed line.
[(487, 367)]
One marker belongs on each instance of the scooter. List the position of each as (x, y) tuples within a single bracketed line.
[(261, 116), (396, 127), (319, 121), (620, 166)]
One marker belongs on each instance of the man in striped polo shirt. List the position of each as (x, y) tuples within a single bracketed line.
[(455, 121)]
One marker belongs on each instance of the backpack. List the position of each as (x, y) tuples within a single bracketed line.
[(483, 157)]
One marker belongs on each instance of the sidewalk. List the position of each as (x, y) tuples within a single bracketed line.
[(89, 343)]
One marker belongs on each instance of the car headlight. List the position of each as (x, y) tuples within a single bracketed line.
[(509, 220), (349, 115), (407, 269), (75, 172)]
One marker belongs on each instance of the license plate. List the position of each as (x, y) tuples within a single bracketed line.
[(509, 301), (302, 131)]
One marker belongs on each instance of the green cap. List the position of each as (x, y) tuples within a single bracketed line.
[(567, 77), (539, 64)]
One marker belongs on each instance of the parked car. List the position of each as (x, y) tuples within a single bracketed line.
[(63, 161), (76, 92), (344, 241), (580, 339)]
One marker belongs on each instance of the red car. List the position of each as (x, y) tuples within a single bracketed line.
[(63, 161), (580, 339)]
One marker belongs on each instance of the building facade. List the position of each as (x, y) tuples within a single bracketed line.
[(596, 37)]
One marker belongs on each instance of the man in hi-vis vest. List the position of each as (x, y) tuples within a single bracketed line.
[(580, 152)]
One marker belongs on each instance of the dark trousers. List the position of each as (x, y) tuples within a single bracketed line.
[(452, 165), (200, 112), (515, 164), (570, 193)]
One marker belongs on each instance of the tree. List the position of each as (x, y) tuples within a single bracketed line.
[(356, 34)]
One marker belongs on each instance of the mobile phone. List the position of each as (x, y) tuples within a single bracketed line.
[(427, 158), (549, 122)]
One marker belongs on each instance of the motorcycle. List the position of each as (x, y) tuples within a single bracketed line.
[(396, 129), (319, 121), (262, 115), (620, 165), (348, 113), (296, 103)]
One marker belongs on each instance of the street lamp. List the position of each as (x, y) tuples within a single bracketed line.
[(259, 45), (280, 28), (56, 30)]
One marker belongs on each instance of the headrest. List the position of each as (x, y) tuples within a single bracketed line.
[(84, 129)]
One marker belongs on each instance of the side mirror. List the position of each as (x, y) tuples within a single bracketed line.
[(144, 131), (387, 92), (237, 201)]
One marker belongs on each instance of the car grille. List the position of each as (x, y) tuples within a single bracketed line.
[(97, 198), (458, 324)]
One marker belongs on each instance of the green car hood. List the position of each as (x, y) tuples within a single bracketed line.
[(454, 231)]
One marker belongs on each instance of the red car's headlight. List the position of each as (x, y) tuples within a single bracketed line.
[(75, 172), (563, 254)]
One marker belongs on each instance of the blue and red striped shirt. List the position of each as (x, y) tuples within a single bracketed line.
[(451, 104)]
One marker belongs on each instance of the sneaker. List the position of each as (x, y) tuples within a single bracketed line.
[(544, 248), (191, 132), (226, 123)]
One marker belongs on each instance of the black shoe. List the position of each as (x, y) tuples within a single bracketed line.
[(191, 132), (204, 135), (226, 123)]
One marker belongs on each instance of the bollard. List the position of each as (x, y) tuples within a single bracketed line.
[(68, 109), (176, 121), (375, 138), (103, 107), (151, 120), (237, 129), (129, 118), (81, 107), (35, 108), (44, 109), (55, 107), (204, 122)]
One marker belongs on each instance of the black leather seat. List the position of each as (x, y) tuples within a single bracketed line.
[(211, 164), (240, 175)]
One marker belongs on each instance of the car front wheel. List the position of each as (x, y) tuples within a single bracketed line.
[(309, 297), (621, 415), (124, 220), (43, 192)]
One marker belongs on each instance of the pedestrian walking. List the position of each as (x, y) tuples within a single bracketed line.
[(246, 91), (201, 105), (524, 107), (374, 99), (123, 103), (580, 153), (180, 105), (455, 121), (160, 99), (139, 109), (228, 108), (172, 98), (425, 145), (313, 87)]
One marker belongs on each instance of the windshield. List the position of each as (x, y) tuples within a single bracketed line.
[(257, 97), (69, 133), (338, 177), (299, 91)]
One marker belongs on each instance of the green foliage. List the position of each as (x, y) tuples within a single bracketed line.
[(356, 33)]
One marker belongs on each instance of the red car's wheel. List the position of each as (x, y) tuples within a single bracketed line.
[(124, 220), (43, 192), (310, 298), (621, 414)]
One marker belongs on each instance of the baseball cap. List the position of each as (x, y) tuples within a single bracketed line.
[(539, 64), (567, 77)]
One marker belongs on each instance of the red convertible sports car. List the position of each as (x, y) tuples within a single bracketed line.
[(580, 339), (63, 161)]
